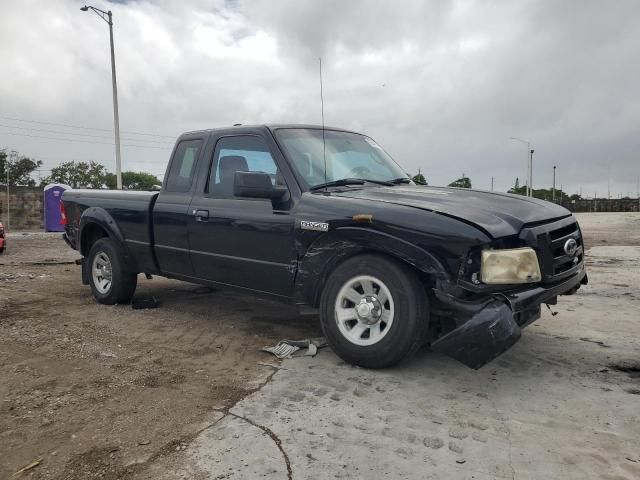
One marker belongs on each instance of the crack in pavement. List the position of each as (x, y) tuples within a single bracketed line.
[(273, 436), (168, 448), (227, 411)]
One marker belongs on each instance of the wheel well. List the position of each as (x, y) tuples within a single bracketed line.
[(424, 278), (91, 233)]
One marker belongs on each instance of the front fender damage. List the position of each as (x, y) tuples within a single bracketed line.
[(489, 332), (488, 327)]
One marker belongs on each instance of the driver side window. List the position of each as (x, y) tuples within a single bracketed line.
[(244, 153)]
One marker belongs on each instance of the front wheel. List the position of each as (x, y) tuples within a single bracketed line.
[(374, 312), (109, 281)]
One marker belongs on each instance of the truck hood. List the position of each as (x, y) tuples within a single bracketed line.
[(498, 214)]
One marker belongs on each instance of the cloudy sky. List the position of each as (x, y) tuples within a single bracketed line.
[(441, 85)]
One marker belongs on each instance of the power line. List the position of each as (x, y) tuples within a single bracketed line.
[(46, 130), (86, 141), (85, 128)]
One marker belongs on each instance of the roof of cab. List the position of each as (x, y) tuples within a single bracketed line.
[(238, 129)]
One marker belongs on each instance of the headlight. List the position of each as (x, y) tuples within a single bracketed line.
[(510, 266)]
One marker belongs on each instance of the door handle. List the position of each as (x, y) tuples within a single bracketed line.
[(201, 215)]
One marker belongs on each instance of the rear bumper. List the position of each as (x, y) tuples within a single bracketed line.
[(494, 324)]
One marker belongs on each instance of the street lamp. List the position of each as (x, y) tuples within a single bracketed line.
[(531, 173), (529, 160), (554, 184), (107, 17)]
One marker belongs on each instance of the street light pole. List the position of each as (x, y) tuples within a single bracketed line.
[(529, 156), (7, 164), (554, 184), (108, 17), (531, 173)]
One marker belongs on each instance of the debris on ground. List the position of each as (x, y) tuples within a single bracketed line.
[(265, 364), (26, 468), (597, 342), (286, 348), (144, 303)]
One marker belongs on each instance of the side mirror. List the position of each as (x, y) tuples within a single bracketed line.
[(256, 185)]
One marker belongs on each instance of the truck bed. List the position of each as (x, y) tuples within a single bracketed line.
[(130, 210)]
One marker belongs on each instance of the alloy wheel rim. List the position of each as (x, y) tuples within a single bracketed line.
[(364, 310), (102, 273)]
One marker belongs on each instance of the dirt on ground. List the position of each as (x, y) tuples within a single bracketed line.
[(95, 391)]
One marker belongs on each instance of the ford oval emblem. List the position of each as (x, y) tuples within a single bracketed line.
[(570, 247)]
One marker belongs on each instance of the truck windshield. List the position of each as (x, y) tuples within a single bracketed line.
[(348, 156)]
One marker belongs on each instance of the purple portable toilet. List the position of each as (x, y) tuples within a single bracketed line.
[(52, 199)]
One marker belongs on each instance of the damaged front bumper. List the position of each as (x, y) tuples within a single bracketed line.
[(494, 324)]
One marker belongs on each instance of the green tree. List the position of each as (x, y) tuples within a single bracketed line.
[(419, 178), (20, 169), (462, 182), (517, 189), (133, 181), (78, 174)]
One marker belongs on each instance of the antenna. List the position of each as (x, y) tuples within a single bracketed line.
[(324, 144)]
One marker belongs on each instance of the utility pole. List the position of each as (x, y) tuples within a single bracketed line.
[(561, 190), (492, 184), (108, 17), (529, 159), (531, 173), (553, 192), (7, 163)]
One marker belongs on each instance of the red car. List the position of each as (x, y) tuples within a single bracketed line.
[(3, 241)]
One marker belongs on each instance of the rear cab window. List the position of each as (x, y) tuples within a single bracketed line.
[(182, 168)]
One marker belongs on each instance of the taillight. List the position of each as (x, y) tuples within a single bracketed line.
[(1, 229), (63, 214)]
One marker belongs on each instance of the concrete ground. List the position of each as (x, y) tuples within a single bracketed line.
[(563, 403)]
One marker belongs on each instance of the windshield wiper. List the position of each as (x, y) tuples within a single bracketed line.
[(380, 182), (351, 181), (397, 181), (338, 183)]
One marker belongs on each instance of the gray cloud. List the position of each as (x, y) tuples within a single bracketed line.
[(442, 85)]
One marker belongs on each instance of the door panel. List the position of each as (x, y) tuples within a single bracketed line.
[(243, 243), (171, 214), (240, 241)]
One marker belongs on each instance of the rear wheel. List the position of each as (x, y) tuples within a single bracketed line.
[(109, 281), (373, 311)]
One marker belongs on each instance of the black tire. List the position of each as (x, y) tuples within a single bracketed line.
[(408, 329), (123, 283)]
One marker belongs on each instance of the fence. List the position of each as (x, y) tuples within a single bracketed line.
[(603, 205)]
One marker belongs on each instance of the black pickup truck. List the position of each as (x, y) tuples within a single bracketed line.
[(325, 219)]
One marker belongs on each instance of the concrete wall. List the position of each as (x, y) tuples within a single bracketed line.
[(26, 208), (603, 205)]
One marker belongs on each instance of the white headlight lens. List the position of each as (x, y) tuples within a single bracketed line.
[(509, 266)]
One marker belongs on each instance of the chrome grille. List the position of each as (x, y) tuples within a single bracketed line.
[(549, 242), (561, 260)]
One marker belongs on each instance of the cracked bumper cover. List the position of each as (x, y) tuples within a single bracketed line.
[(491, 328)]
